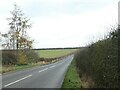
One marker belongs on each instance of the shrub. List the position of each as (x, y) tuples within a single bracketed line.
[(8, 57), (21, 58), (31, 56)]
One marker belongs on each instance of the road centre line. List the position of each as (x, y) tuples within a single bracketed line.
[(43, 70), (17, 81), (47, 68), (52, 66)]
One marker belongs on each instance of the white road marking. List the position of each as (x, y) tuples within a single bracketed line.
[(47, 68), (17, 81), (52, 66), (43, 70)]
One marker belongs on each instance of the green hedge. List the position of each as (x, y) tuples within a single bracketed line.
[(10, 57), (100, 61)]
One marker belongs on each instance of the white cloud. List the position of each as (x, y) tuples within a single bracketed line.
[(74, 30), (66, 30)]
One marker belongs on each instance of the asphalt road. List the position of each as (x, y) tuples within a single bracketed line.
[(47, 76)]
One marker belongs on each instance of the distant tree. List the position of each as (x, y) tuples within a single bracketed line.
[(17, 35), (17, 38), (0, 39), (6, 41)]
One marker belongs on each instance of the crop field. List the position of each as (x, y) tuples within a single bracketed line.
[(54, 53)]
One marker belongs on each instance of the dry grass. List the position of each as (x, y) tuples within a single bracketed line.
[(9, 68), (87, 82)]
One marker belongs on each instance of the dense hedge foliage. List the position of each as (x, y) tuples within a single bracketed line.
[(32, 56), (22, 57), (9, 57), (100, 61)]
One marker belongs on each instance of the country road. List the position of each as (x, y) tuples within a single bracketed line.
[(47, 76)]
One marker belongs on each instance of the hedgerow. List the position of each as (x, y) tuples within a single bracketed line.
[(100, 61)]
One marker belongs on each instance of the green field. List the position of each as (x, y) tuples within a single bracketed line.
[(54, 53)]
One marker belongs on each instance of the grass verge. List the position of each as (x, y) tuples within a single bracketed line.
[(6, 69), (15, 68), (72, 79)]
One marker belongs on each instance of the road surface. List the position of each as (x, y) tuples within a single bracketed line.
[(47, 76)]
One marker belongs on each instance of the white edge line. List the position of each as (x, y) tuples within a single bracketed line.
[(17, 81)]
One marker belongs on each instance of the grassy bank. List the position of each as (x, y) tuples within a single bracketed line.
[(72, 79), (16, 67)]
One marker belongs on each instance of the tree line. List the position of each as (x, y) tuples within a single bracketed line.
[(16, 37)]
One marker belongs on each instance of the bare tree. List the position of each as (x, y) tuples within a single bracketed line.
[(17, 38), (18, 24)]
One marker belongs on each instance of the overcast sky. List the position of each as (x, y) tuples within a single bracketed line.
[(64, 23)]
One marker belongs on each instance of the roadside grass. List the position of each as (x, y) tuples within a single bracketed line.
[(72, 79), (0, 69), (54, 53), (15, 68), (5, 69), (9, 68)]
